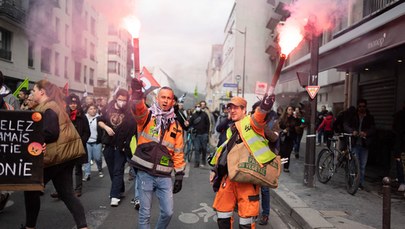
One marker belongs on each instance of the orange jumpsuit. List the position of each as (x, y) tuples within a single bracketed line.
[(244, 195)]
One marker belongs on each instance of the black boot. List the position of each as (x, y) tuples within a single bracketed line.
[(224, 223)]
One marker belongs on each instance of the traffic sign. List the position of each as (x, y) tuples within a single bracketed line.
[(230, 85), (312, 90)]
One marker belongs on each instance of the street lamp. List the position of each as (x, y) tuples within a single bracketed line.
[(244, 33)]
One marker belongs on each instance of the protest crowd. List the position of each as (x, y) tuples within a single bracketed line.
[(155, 139)]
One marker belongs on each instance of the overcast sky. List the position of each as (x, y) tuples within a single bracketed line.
[(177, 36)]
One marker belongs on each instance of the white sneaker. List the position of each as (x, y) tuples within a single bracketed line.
[(401, 188), (115, 202), (101, 174)]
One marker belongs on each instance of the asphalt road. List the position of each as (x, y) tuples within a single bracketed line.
[(193, 207)]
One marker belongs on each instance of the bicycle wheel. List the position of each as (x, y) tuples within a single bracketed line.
[(190, 153), (352, 174), (324, 166)]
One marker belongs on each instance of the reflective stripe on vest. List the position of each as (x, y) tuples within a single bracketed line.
[(149, 165), (257, 145), (142, 162)]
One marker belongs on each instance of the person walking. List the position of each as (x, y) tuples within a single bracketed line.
[(63, 147), (320, 116), (79, 120), (93, 144), (118, 123), (159, 152), (362, 127), (327, 127), (299, 130), (288, 126), (231, 194), (200, 123)]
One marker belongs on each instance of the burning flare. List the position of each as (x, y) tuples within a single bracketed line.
[(132, 25), (290, 36)]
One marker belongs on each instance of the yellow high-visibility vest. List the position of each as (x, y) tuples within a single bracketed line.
[(257, 145)]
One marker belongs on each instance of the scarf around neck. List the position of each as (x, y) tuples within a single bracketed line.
[(162, 117)]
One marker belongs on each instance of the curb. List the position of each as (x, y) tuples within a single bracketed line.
[(305, 216)]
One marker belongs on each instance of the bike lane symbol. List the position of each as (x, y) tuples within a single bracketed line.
[(194, 216)]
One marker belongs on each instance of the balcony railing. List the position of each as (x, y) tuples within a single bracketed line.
[(12, 11), (374, 6)]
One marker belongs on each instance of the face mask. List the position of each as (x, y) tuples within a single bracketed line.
[(198, 109), (121, 104)]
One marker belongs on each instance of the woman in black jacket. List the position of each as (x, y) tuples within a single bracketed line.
[(288, 123)]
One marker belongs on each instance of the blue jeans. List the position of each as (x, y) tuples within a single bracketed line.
[(134, 171), (200, 144), (265, 200), (163, 187), (320, 135), (297, 143), (362, 154), (115, 160), (94, 153)]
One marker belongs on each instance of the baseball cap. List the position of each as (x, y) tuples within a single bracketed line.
[(237, 101)]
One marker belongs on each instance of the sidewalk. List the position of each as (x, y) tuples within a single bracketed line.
[(330, 206)]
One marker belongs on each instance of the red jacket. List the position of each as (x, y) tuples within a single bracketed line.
[(326, 124)]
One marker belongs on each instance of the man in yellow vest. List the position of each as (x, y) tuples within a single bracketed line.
[(246, 130)]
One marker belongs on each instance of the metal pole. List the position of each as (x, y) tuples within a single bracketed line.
[(244, 63), (309, 166), (386, 220)]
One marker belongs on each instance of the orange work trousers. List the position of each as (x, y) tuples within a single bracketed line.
[(245, 195)]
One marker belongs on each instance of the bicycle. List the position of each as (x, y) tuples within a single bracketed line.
[(330, 159), (189, 148)]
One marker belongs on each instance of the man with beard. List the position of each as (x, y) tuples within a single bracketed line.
[(159, 152), (118, 123), (200, 123)]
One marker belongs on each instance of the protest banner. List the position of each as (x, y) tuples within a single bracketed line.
[(21, 156)]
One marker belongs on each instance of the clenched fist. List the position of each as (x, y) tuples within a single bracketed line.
[(136, 85)]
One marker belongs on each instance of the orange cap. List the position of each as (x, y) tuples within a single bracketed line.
[(237, 101)]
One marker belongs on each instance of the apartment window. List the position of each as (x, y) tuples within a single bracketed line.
[(5, 44), (57, 67), (112, 47), (67, 35), (78, 68), (57, 28), (93, 26), (46, 60), (112, 66), (92, 51), (91, 76), (85, 74), (30, 54), (66, 67)]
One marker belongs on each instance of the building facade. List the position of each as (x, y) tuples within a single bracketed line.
[(362, 57), (66, 42)]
